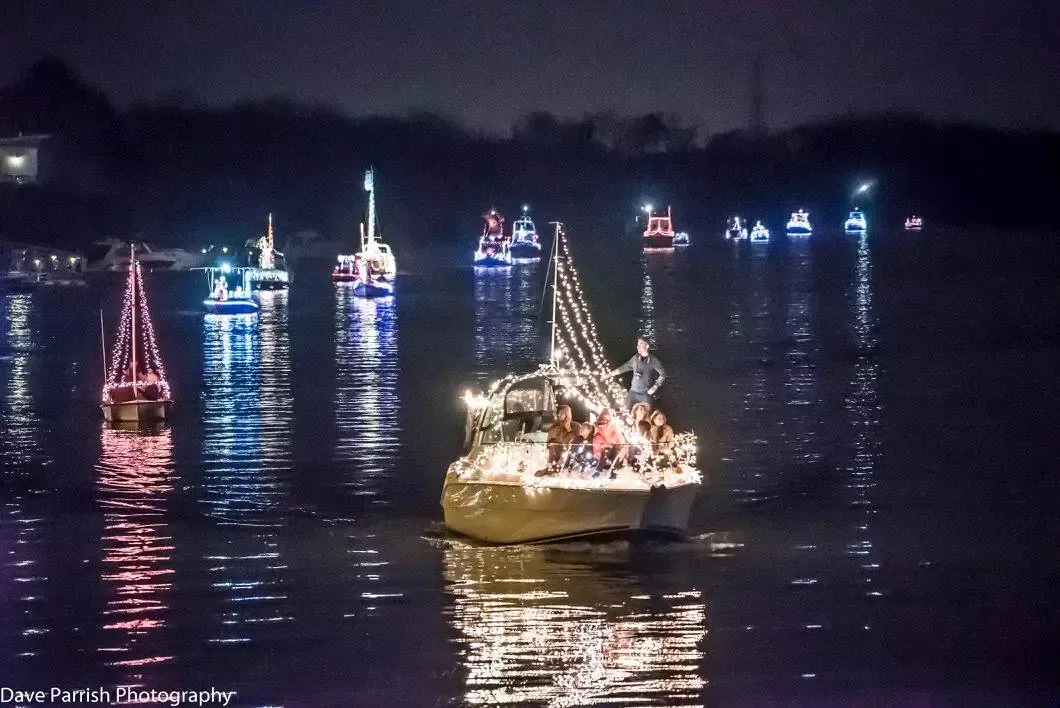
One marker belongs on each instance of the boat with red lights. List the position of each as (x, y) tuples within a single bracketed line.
[(494, 247), (372, 271), (660, 231), (135, 389)]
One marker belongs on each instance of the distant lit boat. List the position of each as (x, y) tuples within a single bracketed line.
[(855, 223), (736, 230), (799, 223), (759, 234), (512, 486), (914, 223), (681, 238), (494, 248), (660, 231), (525, 244), (372, 271), (226, 299), (270, 273), (135, 389), (113, 255)]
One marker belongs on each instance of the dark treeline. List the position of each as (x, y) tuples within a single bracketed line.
[(180, 173)]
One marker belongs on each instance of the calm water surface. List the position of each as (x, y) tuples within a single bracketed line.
[(877, 419)]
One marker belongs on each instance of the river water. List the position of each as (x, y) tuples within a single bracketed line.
[(877, 424)]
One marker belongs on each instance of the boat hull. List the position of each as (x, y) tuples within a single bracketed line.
[(501, 513), (799, 231), (137, 411), (269, 278), (378, 289), (230, 306), (526, 251), (658, 241), (492, 261)]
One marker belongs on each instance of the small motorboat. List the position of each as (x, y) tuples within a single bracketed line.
[(736, 229), (512, 486), (799, 224), (372, 271), (525, 244), (135, 390), (659, 233), (681, 238), (270, 272), (914, 223), (759, 233), (224, 299), (494, 247), (855, 223)]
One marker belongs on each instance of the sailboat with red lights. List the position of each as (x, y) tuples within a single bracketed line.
[(136, 389)]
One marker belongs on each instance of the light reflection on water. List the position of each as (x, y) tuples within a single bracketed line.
[(547, 631), (508, 302), (247, 460), (135, 481)]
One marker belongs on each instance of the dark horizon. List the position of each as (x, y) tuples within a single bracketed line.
[(486, 68)]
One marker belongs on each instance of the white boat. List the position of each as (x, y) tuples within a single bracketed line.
[(136, 390), (914, 223), (510, 488), (270, 273), (659, 233), (799, 223), (113, 255), (681, 238), (759, 233), (372, 271), (525, 244), (736, 229), (856, 222), (494, 247)]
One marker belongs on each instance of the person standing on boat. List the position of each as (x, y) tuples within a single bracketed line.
[(648, 374)]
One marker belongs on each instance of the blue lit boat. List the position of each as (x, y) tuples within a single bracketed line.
[(759, 234), (372, 271), (494, 248), (855, 223), (799, 224), (736, 229), (225, 299), (525, 244), (681, 238)]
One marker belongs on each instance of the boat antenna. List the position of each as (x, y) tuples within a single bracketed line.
[(369, 186), (555, 290)]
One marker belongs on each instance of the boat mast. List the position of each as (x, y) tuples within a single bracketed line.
[(555, 291), (103, 346), (132, 282), (369, 186)]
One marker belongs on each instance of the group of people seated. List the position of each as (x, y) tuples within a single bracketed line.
[(604, 445), (220, 290), (144, 384)]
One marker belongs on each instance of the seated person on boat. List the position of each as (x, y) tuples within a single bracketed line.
[(609, 445)]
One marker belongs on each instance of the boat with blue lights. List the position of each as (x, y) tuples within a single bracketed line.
[(759, 233), (856, 222), (135, 389), (659, 233), (230, 292), (736, 229), (372, 271), (681, 238), (494, 247), (270, 273), (914, 223), (525, 244), (799, 224)]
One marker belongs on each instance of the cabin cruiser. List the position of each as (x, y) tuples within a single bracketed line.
[(855, 223), (681, 238), (736, 229), (372, 271), (659, 233), (270, 272), (759, 233), (914, 223), (113, 255), (494, 247), (525, 244), (799, 224), (513, 486)]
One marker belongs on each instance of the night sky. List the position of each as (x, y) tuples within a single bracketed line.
[(488, 62)]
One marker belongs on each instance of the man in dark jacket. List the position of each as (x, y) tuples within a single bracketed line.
[(648, 374)]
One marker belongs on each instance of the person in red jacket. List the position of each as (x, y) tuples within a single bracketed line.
[(609, 445)]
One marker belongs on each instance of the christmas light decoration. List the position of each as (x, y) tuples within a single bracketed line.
[(136, 344)]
